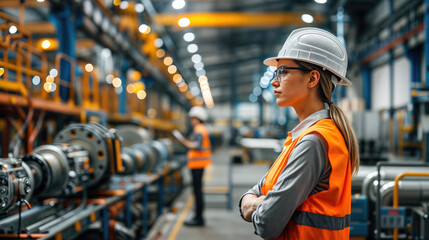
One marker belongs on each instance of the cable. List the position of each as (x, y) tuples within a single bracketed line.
[(19, 220)]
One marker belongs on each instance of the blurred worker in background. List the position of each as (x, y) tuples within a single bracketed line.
[(199, 156), (307, 192)]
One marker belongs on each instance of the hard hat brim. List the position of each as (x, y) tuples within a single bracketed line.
[(272, 61)]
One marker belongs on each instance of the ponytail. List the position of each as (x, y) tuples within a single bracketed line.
[(337, 115), (326, 87)]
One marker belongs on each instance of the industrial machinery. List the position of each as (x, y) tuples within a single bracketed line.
[(55, 179), (392, 203)]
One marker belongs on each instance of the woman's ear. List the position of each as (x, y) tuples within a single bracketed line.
[(314, 78)]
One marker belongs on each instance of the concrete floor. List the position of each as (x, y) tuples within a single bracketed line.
[(221, 223)]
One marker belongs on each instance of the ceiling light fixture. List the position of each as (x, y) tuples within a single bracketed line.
[(46, 44), (178, 4), (145, 29), (123, 5), (13, 29), (158, 42), (184, 22), (321, 1), (168, 61), (196, 58), (139, 8), (192, 48), (189, 37), (307, 18)]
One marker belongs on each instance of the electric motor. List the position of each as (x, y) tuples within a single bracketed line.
[(16, 183), (103, 147), (58, 170)]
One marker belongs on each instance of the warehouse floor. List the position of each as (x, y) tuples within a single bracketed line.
[(221, 223)]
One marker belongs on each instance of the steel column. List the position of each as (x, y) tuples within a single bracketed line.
[(161, 193), (426, 27), (61, 17), (367, 86), (145, 210)]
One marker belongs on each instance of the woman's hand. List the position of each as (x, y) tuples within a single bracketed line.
[(249, 203)]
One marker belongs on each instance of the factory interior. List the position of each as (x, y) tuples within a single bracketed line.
[(92, 93)]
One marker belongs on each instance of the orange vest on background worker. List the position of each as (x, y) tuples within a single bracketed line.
[(326, 214), (200, 158)]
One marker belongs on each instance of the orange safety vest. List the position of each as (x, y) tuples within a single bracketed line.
[(326, 214), (200, 158)]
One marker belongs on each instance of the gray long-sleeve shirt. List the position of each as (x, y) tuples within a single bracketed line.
[(307, 172)]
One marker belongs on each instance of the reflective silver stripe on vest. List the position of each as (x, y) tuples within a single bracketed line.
[(321, 221)]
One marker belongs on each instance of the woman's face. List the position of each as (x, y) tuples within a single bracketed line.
[(194, 121), (290, 83)]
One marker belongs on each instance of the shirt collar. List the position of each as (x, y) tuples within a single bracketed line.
[(310, 120)]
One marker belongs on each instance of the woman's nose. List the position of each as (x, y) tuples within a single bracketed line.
[(274, 82)]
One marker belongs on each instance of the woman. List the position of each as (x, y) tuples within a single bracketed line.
[(307, 192)]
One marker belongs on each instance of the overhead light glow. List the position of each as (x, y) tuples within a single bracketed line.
[(36, 80), (40, 0), (1, 71), (184, 22), (116, 82), (178, 4), (168, 61), (200, 72), (253, 98), (139, 8), (202, 79), (46, 44), (177, 78), (264, 82), (116, 2), (47, 86), (106, 52), (172, 69), (307, 18), (109, 78), (145, 29), (192, 48), (131, 88), (13, 29), (199, 65), (49, 79), (89, 67), (158, 42), (196, 58), (53, 72), (160, 53), (321, 1), (123, 5), (151, 113), (189, 37), (53, 87), (257, 91), (141, 94), (118, 90)]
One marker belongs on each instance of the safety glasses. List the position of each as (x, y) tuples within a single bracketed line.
[(281, 71)]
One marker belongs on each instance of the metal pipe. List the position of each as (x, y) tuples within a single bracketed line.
[(378, 202), (369, 183), (413, 192), (396, 192)]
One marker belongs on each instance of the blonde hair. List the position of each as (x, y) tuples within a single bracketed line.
[(326, 87)]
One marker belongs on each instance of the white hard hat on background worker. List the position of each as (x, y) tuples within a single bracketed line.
[(198, 112), (318, 47)]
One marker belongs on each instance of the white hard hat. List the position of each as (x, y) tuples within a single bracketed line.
[(198, 112), (315, 46)]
